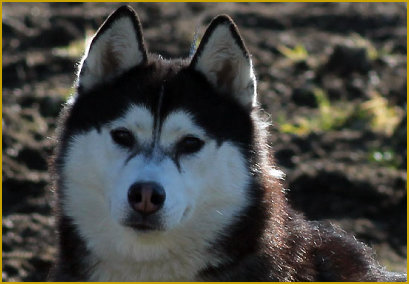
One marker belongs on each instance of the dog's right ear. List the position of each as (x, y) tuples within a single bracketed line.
[(116, 47)]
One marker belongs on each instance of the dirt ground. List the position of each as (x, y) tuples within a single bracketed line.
[(332, 78)]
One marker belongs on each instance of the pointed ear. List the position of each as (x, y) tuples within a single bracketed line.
[(116, 47), (223, 58)]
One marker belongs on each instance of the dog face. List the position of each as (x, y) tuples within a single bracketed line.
[(188, 166), (157, 151)]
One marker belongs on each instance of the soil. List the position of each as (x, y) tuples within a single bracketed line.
[(352, 173)]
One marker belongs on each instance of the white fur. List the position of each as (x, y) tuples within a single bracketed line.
[(201, 200), (220, 48), (121, 43), (177, 125), (139, 120), (277, 173)]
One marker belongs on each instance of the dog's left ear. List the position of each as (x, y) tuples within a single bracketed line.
[(117, 46), (225, 61)]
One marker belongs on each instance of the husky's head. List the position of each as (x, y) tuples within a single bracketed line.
[(157, 154)]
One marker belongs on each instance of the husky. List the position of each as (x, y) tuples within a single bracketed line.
[(163, 172)]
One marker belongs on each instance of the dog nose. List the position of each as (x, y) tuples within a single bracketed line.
[(146, 197)]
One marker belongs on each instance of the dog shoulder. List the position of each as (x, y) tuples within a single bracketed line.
[(341, 257)]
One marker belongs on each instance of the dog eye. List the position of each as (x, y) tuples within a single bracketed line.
[(189, 145), (123, 137)]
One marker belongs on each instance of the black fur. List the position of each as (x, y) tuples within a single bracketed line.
[(270, 242)]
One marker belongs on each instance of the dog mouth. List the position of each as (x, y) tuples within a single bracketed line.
[(143, 224), (142, 227)]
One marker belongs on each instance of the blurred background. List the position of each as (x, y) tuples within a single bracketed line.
[(332, 79)]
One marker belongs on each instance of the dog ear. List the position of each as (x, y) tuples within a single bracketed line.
[(225, 61), (116, 47)]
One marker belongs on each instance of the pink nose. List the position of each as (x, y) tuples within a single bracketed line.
[(146, 197)]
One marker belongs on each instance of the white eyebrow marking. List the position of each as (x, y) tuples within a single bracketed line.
[(178, 124)]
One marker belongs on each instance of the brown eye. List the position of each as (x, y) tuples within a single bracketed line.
[(123, 137), (189, 145)]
